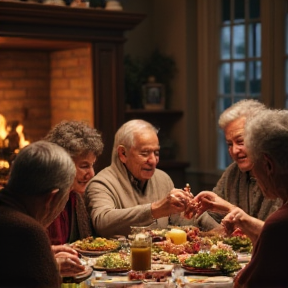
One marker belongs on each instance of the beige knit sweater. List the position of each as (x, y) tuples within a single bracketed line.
[(115, 205)]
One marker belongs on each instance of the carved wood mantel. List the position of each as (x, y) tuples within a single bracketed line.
[(38, 26)]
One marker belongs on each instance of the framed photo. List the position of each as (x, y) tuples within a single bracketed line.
[(153, 96)]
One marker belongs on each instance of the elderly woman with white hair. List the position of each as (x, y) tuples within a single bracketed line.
[(266, 139), (237, 184)]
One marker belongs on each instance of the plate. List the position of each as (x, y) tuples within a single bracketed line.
[(202, 271), (115, 281), (111, 245), (244, 257), (161, 268), (212, 279), (79, 277), (92, 253), (111, 270)]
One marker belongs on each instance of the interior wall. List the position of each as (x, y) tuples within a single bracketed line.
[(164, 28), (170, 37), (140, 40)]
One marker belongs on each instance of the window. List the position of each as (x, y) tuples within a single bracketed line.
[(242, 52), (240, 60)]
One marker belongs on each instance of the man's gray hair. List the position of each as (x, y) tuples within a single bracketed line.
[(126, 133), (40, 168), (267, 133), (243, 108)]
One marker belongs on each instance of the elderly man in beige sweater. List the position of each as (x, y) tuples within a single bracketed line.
[(132, 191)]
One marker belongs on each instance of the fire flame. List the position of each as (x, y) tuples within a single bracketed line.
[(4, 132)]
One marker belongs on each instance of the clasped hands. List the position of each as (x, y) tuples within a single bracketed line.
[(234, 217)]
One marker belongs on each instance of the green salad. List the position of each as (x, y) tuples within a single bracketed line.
[(220, 259), (239, 243)]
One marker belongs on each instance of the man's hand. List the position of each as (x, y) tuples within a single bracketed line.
[(175, 202)]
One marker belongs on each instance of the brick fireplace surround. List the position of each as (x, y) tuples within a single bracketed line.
[(61, 63), (40, 88)]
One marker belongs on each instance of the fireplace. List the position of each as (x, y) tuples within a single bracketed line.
[(63, 63), (41, 88)]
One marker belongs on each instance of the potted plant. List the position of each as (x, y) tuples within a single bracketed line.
[(162, 68), (138, 70)]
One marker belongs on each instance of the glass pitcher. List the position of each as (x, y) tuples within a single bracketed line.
[(140, 249)]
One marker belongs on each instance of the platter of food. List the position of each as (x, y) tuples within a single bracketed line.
[(113, 262), (91, 246), (219, 260)]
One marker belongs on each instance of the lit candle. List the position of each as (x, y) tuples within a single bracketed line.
[(177, 236)]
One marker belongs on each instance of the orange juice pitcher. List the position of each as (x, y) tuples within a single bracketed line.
[(140, 249)]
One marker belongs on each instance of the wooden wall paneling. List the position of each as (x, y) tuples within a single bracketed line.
[(108, 94)]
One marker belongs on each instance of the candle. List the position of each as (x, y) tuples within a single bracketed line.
[(177, 236)]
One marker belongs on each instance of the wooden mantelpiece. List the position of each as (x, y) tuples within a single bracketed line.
[(46, 27), (61, 22)]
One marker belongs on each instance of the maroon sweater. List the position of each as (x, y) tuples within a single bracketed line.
[(72, 224), (268, 266)]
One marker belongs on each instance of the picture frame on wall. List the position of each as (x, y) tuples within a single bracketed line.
[(153, 96)]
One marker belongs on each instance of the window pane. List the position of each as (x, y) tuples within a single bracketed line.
[(254, 47), (239, 10), (240, 64), (226, 11), (224, 103), (223, 155), (255, 77), (225, 79), (239, 77), (225, 43), (238, 42), (254, 9)]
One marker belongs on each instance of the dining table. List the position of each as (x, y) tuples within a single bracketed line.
[(170, 274), (183, 279)]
